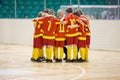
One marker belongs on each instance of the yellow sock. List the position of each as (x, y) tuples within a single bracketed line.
[(69, 48), (40, 55), (86, 54), (50, 52), (61, 53), (47, 53), (36, 53), (56, 52), (75, 52), (82, 53), (42, 52)]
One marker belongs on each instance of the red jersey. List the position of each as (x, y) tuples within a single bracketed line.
[(82, 34), (49, 27), (38, 30), (86, 21), (71, 20), (60, 31)]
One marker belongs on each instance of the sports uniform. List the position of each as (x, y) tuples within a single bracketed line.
[(59, 40), (71, 35), (38, 40), (82, 41), (49, 28), (87, 40)]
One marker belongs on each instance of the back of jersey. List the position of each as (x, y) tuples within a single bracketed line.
[(49, 27)]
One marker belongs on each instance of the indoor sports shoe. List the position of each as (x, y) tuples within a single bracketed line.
[(74, 60), (65, 58), (49, 61), (68, 61), (81, 60), (39, 60), (59, 60), (33, 60), (43, 59)]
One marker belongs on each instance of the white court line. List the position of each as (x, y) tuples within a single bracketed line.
[(79, 76)]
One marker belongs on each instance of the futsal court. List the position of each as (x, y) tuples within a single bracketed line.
[(15, 64)]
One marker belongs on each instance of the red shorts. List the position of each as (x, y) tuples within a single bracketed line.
[(59, 43), (48, 42), (71, 40), (87, 41), (81, 43), (38, 42)]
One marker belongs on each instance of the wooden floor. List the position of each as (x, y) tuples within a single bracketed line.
[(15, 64)]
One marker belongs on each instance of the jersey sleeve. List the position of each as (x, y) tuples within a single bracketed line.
[(66, 19)]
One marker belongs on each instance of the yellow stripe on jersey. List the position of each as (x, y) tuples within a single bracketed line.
[(78, 20), (49, 37), (36, 36), (82, 38), (57, 22), (88, 34), (71, 35), (60, 39), (79, 33)]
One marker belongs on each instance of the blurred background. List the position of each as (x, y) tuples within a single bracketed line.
[(94, 9)]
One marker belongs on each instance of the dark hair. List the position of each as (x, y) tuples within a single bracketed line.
[(51, 11), (40, 14), (77, 13), (46, 11), (69, 10), (81, 12)]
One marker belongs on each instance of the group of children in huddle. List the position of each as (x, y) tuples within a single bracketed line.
[(62, 38)]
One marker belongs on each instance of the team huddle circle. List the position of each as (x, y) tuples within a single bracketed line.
[(62, 39)]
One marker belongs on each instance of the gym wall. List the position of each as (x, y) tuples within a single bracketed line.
[(105, 34)]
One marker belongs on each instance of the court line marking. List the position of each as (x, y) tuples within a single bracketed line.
[(79, 76)]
